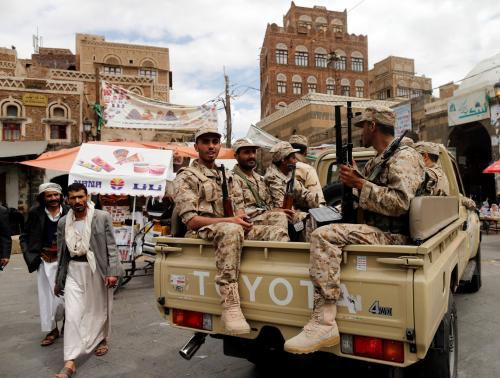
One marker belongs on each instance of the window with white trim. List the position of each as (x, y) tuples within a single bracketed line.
[(301, 58), (321, 60), (112, 70), (148, 72), (357, 64), (297, 88), (346, 90), (403, 92), (360, 91), (281, 56), (58, 131), (281, 87), (341, 63), (11, 131)]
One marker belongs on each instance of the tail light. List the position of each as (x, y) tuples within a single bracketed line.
[(192, 319), (373, 347)]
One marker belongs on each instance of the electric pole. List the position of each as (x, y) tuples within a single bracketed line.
[(227, 106)]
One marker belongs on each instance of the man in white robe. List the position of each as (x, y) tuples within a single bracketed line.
[(88, 269)]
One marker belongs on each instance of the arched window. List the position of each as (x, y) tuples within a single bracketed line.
[(12, 111), (281, 54), (341, 60), (136, 90), (330, 86), (345, 87), (148, 69), (321, 23), (301, 56), (357, 61), (320, 57), (112, 66), (11, 128), (297, 85), (305, 21), (337, 25), (416, 91), (311, 84), (359, 86), (281, 105), (58, 122), (59, 112), (281, 83)]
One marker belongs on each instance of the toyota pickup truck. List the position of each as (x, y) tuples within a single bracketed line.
[(396, 306)]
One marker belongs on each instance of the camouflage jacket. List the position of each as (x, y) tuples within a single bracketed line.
[(255, 193), (309, 178), (277, 182), (437, 183), (198, 191)]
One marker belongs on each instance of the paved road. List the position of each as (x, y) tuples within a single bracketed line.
[(143, 345)]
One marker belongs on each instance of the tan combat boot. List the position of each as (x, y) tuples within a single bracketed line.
[(232, 317), (320, 332)]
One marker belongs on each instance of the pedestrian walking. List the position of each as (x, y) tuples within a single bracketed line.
[(39, 247), (88, 268)]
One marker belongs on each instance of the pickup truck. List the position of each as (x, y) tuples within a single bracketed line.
[(396, 306)]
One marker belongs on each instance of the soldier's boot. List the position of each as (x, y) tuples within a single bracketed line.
[(232, 317), (320, 332)]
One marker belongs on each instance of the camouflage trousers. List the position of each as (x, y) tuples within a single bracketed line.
[(228, 240), (326, 252), (271, 218)]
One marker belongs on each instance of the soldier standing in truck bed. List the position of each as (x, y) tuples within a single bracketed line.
[(437, 183), (198, 201), (385, 193)]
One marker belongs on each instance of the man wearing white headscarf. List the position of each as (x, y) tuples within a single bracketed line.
[(38, 243), (88, 268)]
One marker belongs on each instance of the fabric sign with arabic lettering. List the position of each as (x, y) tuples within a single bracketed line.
[(468, 108)]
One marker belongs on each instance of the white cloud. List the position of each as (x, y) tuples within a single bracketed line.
[(446, 38)]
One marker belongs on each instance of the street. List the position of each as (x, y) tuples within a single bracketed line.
[(144, 345)]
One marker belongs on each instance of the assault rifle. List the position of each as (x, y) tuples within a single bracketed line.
[(387, 155), (227, 204), (288, 199), (344, 156)]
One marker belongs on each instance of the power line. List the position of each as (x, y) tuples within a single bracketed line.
[(358, 4), (468, 77)]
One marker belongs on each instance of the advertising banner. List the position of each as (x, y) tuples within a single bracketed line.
[(125, 109), (468, 108), (107, 169), (403, 119)]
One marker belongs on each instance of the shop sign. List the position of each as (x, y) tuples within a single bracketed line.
[(468, 108), (403, 118), (35, 99)]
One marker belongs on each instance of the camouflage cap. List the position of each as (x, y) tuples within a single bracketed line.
[(299, 139), (427, 147), (243, 142), (206, 130), (378, 114), (281, 150)]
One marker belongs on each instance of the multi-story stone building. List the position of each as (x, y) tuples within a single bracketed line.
[(394, 79), (45, 101), (312, 52)]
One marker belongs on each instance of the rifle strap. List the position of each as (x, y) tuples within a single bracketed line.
[(197, 173), (260, 202)]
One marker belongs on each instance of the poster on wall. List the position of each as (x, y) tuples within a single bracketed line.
[(403, 118), (468, 108), (105, 169), (125, 109)]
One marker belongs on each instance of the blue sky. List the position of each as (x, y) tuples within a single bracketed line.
[(446, 38)]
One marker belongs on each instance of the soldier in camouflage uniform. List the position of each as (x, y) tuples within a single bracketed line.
[(385, 191), (256, 196), (304, 172), (277, 177), (198, 201), (437, 183)]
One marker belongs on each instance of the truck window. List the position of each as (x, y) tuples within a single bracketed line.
[(333, 173)]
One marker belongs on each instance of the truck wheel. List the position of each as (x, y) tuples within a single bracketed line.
[(442, 357)]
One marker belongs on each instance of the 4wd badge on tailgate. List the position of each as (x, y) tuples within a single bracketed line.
[(376, 309)]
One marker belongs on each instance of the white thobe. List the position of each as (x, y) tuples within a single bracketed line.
[(88, 307), (51, 307)]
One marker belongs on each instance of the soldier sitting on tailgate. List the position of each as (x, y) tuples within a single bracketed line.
[(436, 183), (256, 196), (277, 177), (199, 204), (385, 192)]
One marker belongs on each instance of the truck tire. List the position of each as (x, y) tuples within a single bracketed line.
[(475, 283), (442, 357)]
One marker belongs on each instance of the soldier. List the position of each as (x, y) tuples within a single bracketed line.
[(437, 183), (256, 196), (198, 201), (305, 173), (384, 198), (277, 177)]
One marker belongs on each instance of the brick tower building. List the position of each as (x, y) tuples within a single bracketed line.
[(312, 52)]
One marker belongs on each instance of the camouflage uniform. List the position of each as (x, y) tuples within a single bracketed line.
[(258, 209), (385, 203), (198, 191), (437, 183), (308, 177)]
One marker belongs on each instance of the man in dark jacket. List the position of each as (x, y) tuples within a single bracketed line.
[(5, 239), (39, 246)]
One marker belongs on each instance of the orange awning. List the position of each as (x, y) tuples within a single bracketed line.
[(62, 160)]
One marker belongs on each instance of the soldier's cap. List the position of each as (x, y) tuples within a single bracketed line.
[(206, 130), (49, 187), (378, 114), (281, 150), (299, 139), (427, 147), (243, 142)]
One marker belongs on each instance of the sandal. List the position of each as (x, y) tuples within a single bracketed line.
[(51, 338), (101, 349), (65, 372)]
